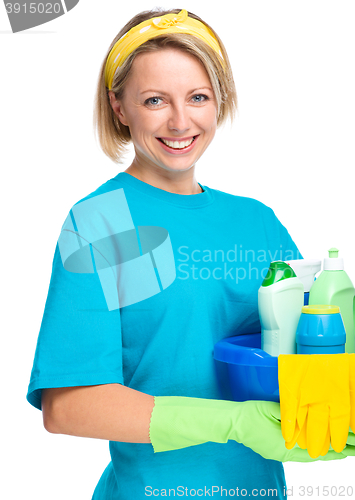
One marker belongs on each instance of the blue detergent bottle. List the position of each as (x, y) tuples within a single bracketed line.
[(320, 330)]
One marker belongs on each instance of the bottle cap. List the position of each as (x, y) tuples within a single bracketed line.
[(278, 271), (320, 309), (333, 262)]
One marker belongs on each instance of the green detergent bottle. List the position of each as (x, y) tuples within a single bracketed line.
[(334, 287)]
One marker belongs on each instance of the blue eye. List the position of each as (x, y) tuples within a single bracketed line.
[(153, 101), (200, 98)]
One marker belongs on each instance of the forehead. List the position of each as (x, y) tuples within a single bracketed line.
[(172, 66)]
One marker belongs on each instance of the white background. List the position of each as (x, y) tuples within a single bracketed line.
[(292, 147)]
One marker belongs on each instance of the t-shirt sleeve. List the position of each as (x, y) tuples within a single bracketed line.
[(289, 249), (279, 239), (79, 343)]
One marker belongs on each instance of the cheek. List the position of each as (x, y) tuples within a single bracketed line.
[(138, 128), (142, 133), (145, 125), (208, 119)]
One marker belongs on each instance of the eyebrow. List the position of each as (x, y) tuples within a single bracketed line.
[(165, 93)]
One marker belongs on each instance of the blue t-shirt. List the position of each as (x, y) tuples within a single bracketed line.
[(144, 283)]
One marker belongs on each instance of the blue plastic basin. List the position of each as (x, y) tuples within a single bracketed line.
[(244, 371)]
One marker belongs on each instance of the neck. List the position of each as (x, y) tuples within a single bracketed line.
[(171, 181)]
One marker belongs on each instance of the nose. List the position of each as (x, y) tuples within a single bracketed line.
[(179, 120)]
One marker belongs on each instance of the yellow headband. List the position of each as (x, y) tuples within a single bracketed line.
[(171, 23)]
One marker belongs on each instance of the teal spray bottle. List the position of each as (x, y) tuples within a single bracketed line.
[(334, 287)]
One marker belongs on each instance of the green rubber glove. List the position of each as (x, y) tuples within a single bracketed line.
[(178, 422), (351, 438)]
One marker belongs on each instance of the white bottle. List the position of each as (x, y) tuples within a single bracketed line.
[(280, 302)]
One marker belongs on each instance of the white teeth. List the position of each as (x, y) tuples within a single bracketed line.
[(177, 144)]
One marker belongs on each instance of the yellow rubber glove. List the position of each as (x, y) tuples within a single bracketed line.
[(315, 401)]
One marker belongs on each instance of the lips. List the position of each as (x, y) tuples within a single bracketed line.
[(178, 145)]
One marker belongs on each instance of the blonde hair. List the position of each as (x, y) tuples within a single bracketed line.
[(114, 137)]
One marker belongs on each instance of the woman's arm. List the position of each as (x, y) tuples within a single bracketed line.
[(115, 412), (111, 411)]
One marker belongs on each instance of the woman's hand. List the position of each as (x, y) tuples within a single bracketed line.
[(178, 422), (259, 428)]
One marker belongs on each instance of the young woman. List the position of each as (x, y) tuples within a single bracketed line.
[(150, 271)]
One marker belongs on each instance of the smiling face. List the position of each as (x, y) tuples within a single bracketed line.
[(170, 109)]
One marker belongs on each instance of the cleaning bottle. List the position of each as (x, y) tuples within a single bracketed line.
[(280, 301), (306, 270), (320, 330), (334, 287)]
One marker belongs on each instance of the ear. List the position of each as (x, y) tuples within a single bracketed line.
[(117, 108)]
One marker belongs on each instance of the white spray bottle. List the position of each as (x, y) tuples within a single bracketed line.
[(280, 301)]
